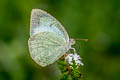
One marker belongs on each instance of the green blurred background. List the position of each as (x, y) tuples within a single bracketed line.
[(97, 20)]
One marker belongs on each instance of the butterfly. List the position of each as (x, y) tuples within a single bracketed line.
[(48, 38)]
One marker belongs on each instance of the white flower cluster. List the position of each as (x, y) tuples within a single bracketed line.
[(70, 57)]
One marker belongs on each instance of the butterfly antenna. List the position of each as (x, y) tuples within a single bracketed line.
[(86, 40)]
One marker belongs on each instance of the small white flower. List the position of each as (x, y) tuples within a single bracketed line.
[(70, 57), (76, 57), (78, 62)]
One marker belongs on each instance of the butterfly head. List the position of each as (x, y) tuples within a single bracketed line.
[(72, 41)]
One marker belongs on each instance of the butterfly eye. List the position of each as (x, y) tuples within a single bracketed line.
[(72, 41)]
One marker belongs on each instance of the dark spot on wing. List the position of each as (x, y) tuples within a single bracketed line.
[(51, 25), (38, 22)]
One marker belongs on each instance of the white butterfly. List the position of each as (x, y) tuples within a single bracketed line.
[(48, 39)]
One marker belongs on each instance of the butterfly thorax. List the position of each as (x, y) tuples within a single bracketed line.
[(69, 45), (72, 42)]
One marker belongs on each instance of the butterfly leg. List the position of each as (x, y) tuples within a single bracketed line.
[(74, 51)]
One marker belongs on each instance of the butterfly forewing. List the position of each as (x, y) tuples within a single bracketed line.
[(41, 21)]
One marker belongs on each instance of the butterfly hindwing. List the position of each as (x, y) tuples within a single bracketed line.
[(46, 47)]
